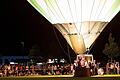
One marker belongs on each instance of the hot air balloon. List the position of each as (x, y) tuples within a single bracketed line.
[(79, 21)]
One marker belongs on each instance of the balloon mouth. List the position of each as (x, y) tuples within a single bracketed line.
[(71, 23), (80, 36)]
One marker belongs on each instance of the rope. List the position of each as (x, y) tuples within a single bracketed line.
[(60, 43), (98, 14), (90, 16), (60, 10), (50, 9), (69, 53), (72, 15), (98, 28), (81, 17)]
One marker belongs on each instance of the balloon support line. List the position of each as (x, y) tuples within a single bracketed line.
[(68, 54)]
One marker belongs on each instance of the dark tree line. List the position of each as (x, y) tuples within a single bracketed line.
[(111, 49)]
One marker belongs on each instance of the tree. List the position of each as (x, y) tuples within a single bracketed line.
[(35, 50), (111, 48)]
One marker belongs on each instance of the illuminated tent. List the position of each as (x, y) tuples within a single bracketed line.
[(79, 21)]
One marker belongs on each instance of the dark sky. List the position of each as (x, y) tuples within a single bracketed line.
[(21, 22)]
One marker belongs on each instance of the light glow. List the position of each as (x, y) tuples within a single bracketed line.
[(79, 21)]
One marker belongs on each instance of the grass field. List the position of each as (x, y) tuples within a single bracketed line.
[(63, 77)]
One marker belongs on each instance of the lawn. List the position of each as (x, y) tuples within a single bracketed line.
[(103, 77)]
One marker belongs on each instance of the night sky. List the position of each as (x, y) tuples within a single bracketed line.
[(20, 22)]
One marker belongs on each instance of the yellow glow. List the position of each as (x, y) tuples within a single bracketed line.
[(80, 41)]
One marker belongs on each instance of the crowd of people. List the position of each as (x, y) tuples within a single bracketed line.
[(84, 67), (112, 68), (26, 70), (89, 68), (80, 67)]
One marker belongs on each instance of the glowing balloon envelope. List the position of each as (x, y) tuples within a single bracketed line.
[(79, 21)]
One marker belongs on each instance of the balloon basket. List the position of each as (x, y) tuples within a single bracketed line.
[(88, 57)]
